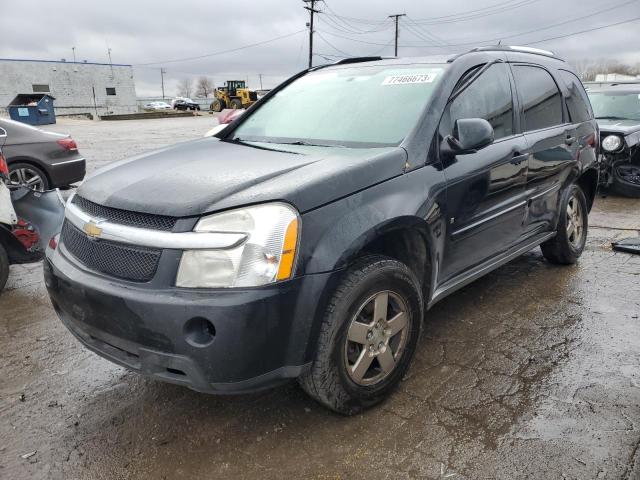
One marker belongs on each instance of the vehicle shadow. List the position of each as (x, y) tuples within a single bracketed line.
[(481, 361)]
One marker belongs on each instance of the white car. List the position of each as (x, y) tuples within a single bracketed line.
[(157, 106)]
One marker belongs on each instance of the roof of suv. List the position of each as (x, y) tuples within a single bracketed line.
[(440, 59)]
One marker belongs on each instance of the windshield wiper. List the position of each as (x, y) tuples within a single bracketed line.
[(305, 143), (610, 117)]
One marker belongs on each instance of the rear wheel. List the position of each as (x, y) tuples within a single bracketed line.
[(236, 104), (368, 336), (4, 267), (217, 105), (29, 176), (568, 244)]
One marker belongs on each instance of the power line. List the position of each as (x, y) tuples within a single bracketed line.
[(585, 31), (222, 52), (474, 16), (333, 46), (479, 42), (506, 35), (501, 5)]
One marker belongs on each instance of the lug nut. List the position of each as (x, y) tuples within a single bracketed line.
[(380, 346), (369, 335)]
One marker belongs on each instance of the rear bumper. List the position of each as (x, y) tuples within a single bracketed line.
[(63, 172), (262, 335)]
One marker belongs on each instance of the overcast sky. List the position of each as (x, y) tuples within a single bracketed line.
[(165, 33)]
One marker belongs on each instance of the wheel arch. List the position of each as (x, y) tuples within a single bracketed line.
[(406, 239), (33, 162), (588, 182)]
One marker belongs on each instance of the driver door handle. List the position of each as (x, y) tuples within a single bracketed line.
[(570, 140), (517, 158)]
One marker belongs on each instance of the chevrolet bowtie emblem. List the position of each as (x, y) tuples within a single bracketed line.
[(91, 229)]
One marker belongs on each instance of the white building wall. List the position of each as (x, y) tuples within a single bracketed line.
[(72, 84)]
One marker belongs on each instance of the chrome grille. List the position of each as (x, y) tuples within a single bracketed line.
[(125, 217), (137, 264)]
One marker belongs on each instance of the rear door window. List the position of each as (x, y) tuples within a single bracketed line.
[(577, 102), (488, 97), (541, 99)]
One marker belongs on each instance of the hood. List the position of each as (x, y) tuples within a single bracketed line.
[(624, 127), (206, 175)]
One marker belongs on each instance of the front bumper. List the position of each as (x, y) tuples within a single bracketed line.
[(262, 335)]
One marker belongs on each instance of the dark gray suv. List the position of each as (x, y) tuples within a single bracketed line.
[(308, 238)]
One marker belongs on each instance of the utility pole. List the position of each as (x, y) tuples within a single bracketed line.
[(396, 17), (312, 10), (260, 75), (74, 54), (162, 72)]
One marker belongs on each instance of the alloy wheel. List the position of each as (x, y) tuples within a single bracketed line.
[(376, 338), (26, 177), (575, 222)]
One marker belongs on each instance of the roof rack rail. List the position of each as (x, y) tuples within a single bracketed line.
[(346, 61), (515, 48)]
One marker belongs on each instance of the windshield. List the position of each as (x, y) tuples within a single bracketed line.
[(364, 106), (616, 105)]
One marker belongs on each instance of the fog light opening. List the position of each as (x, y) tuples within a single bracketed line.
[(199, 332)]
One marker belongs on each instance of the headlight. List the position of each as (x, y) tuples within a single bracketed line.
[(267, 256), (611, 143)]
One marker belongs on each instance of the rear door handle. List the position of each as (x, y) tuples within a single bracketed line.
[(570, 140), (518, 159)]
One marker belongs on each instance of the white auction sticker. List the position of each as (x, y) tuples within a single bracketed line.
[(408, 79)]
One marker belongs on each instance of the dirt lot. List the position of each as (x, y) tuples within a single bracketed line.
[(532, 372)]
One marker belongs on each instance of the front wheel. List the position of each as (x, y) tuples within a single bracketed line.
[(368, 336), (217, 105), (568, 244)]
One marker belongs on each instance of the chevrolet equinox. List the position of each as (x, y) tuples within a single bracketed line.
[(308, 238)]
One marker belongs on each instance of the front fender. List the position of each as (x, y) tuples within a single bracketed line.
[(336, 234)]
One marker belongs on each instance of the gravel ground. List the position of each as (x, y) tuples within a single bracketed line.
[(532, 372)]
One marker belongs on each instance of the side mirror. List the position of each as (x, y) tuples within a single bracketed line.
[(469, 135)]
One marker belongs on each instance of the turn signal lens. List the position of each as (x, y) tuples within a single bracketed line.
[(288, 251)]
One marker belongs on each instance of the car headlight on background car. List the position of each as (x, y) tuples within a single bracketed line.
[(611, 143), (266, 256)]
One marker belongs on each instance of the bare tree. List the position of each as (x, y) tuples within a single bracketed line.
[(185, 88), (204, 87), (587, 69)]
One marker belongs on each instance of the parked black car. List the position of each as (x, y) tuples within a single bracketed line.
[(185, 104), (307, 240), (617, 109), (39, 159)]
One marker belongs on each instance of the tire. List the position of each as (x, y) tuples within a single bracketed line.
[(25, 174), (622, 174), (217, 105), (4, 267), (568, 244), (334, 379), (236, 104)]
